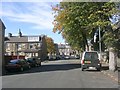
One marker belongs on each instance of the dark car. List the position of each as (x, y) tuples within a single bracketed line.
[(90, 59), (17, 65), (34, 61), (58, 57)]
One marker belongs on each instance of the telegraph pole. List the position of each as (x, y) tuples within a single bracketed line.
[(100, 42)]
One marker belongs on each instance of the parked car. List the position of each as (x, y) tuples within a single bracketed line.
[(17, 65), (34, 61), (54, 57), (67, 57), (77, 56), (58, 57), (90, 59)]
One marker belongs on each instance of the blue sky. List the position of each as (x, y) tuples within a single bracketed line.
[(33, 18)]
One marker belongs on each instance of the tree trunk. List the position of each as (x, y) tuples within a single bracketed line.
[(112, 59)]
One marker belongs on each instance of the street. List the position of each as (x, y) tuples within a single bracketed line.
[(58, 74)]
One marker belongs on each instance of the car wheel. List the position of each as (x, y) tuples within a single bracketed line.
[(40, 64), (21, 69), (98, 69), (82, 69)]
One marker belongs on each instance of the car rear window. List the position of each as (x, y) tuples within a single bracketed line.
[(91, 55)]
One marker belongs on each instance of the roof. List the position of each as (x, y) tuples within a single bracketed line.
[(17, 39), (20, 39), (2, 24)]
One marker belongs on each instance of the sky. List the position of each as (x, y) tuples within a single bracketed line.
[(32, 18)]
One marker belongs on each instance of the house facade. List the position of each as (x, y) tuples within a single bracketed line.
[(65, 49), (28, 46), (2, 33), (56, 49)]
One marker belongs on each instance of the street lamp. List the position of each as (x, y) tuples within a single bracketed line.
[(100, 42), (97, 33)]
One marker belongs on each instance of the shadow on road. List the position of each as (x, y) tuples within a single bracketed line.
[(48, 68), (105, 67), (90, 70)]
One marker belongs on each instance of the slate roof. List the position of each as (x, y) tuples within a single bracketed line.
[(17, 39), (3, 26)]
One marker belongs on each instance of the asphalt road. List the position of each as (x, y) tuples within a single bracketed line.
[(58, 74)]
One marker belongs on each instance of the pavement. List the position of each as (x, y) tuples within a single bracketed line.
[(113, 75)]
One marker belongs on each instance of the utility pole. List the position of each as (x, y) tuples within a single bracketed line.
[(100, 42)]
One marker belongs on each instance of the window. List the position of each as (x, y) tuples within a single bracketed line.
[(8, 46), (34, 45), (91, 55), (21, 46), (30, 46)]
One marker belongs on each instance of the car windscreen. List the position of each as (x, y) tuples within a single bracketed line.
[(29, 60), (91, 56)]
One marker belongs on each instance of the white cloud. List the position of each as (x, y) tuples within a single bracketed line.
[(38, 14)]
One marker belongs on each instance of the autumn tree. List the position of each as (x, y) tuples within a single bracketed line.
[(50, 45)]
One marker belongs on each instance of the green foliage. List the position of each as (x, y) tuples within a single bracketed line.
[(76, 21), (112, 37)]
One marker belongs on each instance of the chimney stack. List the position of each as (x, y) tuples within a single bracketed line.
[(9, 35), (19, 33)]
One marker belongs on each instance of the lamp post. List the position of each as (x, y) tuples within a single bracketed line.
[(100, 42)]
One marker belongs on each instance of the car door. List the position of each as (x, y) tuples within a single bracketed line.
[(24, 63)]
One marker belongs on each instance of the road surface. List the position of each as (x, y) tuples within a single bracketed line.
[(58, 74)]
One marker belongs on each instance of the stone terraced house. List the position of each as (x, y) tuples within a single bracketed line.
[(28, 46)]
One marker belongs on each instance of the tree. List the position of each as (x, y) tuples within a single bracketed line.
[(67, 23), (77, 21), (112, 41), (50, 45)]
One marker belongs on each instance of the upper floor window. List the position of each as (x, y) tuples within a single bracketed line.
[(34, 45), (21, 46)]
